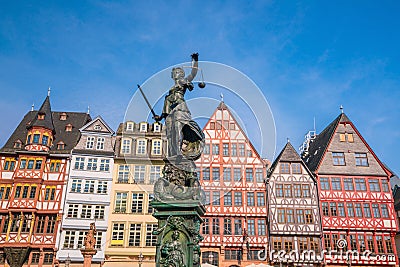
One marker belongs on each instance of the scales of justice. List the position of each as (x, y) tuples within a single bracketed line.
[(177, 195)]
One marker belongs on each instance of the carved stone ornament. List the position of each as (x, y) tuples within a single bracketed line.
[(16, 256), (177, 233), (179, 182)]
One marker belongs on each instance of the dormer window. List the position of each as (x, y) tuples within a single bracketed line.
[(18, 144), (157, 127), (68, 127), (60, 145), (40, 116), (63, 116), (129, 126), (143, 127), (28, 141)]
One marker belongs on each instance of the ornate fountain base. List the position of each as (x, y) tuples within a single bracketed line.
[(178, 232)]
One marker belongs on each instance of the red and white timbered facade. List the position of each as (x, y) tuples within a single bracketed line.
[(232, 175), (34, 165), (356, 200)]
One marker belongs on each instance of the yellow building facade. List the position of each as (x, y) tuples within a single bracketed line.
[(139, 153)]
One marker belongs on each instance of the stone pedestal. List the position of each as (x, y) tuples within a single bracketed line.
[(87, 256), (178, 232)]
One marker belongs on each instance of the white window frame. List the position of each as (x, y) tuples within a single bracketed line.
[(123, 174), (73, 209), (122, 199), (155, 173), (79, 163), (76, 185), (117, 234), (89, 187), (92, 164), (151, 239), (100, 143), (81, 238), (139, 173), (156, 147), (157, 127), (143, 127), (102, 187), (137, 203), (69, 240), (90, 142), (99, 212), (104, 165), (129, 126), (141, 146), (126, 145), (134, 237), (86, 212)]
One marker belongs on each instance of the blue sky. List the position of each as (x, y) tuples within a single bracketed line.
[(307, 57)]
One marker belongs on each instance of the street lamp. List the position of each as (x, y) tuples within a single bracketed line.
[(140, 259), (67, 261)]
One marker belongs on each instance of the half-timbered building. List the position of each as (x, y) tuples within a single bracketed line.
[(232, 175), (33, 170), (356, 199), (294, 222), (87, 193), (139, 152)]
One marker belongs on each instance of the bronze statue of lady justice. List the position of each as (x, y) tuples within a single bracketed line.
[(185, 138)]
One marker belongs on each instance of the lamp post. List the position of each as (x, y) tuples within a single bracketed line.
[(67, 261), (140, 259)]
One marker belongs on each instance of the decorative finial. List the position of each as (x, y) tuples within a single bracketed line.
[(288, 140), (222, 97), (48, 91), (33, 106), (341, 109), (88, 109)]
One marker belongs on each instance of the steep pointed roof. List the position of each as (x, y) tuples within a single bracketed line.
[(319, 145), (45, 110), (288, 153), (221, 107)]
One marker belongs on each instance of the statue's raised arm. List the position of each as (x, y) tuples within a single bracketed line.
[(195, 65)]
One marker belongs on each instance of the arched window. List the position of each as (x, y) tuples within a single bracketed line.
[(209, 257)]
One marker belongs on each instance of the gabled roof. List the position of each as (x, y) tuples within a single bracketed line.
[(98, 118), (287, 154), (223, 106), (319, 145), (45, 110), (77, 119)]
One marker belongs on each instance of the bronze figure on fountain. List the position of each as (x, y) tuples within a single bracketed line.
[(185, 140)]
